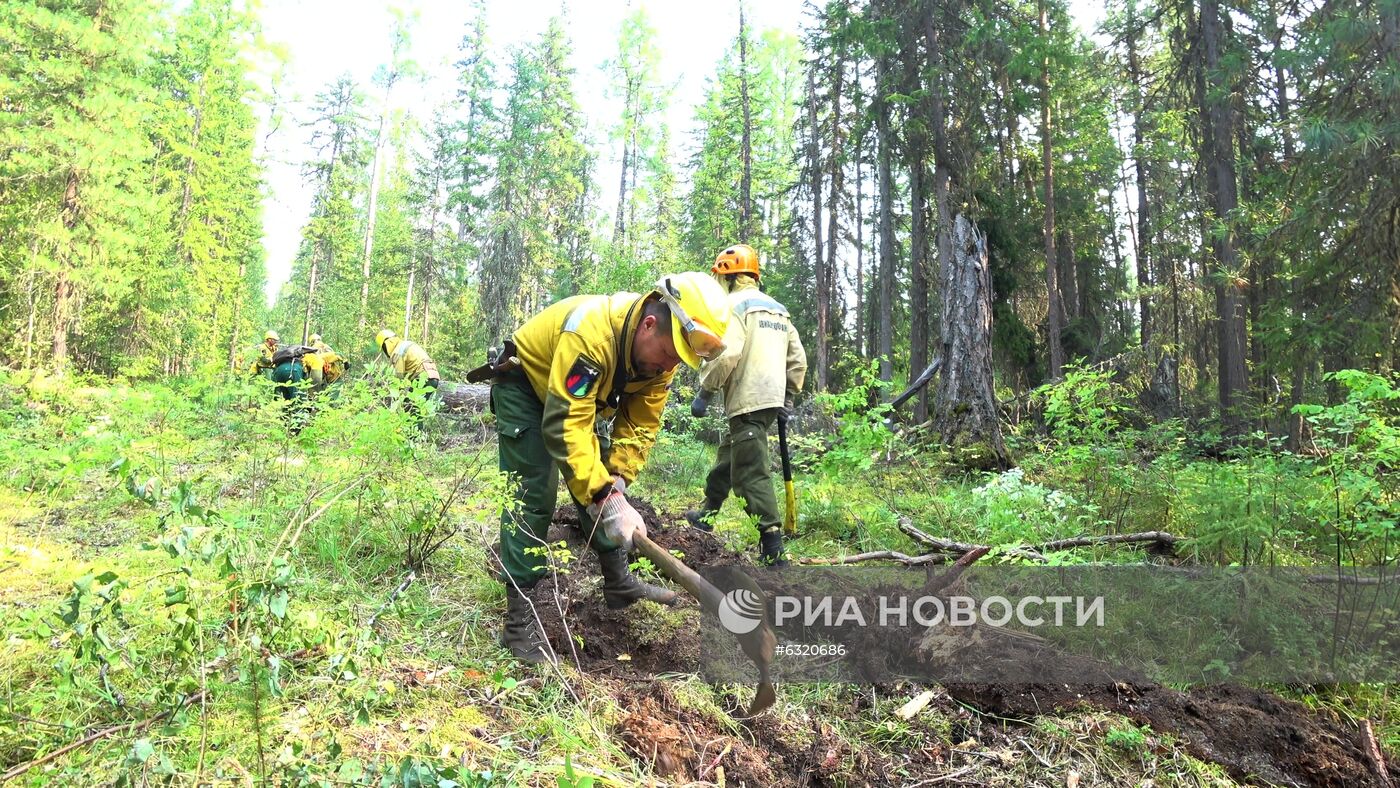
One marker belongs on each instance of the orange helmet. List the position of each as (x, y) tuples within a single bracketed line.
[(737, 259)]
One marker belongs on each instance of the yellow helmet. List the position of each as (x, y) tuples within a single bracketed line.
[(313, 339), (384, 334), (699, 315), (737, 259), (272, 335)]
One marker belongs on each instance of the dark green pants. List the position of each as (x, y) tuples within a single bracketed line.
[(289, 373), (522, 453), (741, 467)]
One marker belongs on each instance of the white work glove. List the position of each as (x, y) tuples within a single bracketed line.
[(620, 483), (618, 520)]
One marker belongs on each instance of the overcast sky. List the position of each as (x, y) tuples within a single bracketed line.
[(327, 38)]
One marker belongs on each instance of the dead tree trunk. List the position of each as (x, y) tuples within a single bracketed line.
[(885, 304), (966, 413), (746, 144), (1055, 317), (815, 173)]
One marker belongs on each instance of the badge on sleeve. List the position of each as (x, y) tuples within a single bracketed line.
[(581, 377)]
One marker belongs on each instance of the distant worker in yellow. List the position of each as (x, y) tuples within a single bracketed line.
[(761, 370), (322, 364), (265, 350), (410, 362)]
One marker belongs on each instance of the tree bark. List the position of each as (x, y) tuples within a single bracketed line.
[(818, 260), (916, 153), (966, 415), (373, 210), (237, 316), (1219, 161), (408, 300), (1066, 270), (1143, 252), (310, 297), (942, 156), (826, 282), (860, 235), (63, 287), (746, 146), (1054, 316), (885, 306), (32, 296)]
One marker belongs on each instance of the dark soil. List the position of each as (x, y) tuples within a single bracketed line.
[(608, 634), (686, 746), (1256, 736)]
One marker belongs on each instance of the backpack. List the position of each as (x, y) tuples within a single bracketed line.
[(290, 353)]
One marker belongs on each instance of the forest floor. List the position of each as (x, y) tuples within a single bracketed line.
[(213, 598)]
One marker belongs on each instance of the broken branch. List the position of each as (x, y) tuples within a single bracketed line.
[(102, 734)]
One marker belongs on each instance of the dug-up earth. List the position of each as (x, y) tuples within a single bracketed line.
[(969, 734)]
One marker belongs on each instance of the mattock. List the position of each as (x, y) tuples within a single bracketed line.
[(758, 644)]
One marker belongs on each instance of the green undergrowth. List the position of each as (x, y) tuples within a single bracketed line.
[(317, 608)]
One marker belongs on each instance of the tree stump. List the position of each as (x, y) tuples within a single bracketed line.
[(965, 412)]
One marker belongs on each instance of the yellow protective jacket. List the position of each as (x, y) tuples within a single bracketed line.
[(323, 367), (409, 360), (763, 364), (572, 353), (263, 359)]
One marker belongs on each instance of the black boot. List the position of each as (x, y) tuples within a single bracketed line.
[(522, 634), (770, 548), (621, 588), (702, 519)]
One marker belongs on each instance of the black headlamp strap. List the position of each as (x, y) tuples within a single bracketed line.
[(619, 380)]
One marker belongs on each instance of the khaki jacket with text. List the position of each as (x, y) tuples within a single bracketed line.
[(763, 364)]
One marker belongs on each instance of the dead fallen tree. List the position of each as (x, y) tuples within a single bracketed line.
[(949, 546), (464, 397), (947, 550)]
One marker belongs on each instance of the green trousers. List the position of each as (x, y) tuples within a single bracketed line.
[(289, 373), (741, 467), (522, 453)]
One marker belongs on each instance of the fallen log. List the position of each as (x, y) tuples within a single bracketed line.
[(879, 555), (464, 397), (1031, 552), (1160, 537), (948, 545)]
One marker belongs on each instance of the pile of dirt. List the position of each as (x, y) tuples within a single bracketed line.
[(1256, 736), (583, 631), (684, 745)]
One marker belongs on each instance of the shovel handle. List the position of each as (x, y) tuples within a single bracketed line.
[(783, 450), (671, 566)]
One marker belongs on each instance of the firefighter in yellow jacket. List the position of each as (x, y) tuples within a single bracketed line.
[(263, 360), (410, 362), (760, 372), (323, 365), (586, 400)]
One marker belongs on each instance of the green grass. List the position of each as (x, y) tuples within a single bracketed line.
[(305, 542)]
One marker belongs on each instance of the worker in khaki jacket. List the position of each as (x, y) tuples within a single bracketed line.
[(410, 362), (581, 391), (760, 372)]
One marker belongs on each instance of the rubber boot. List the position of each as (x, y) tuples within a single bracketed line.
[(622, 588), (702, 519), (770, 548), (521, 635)]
